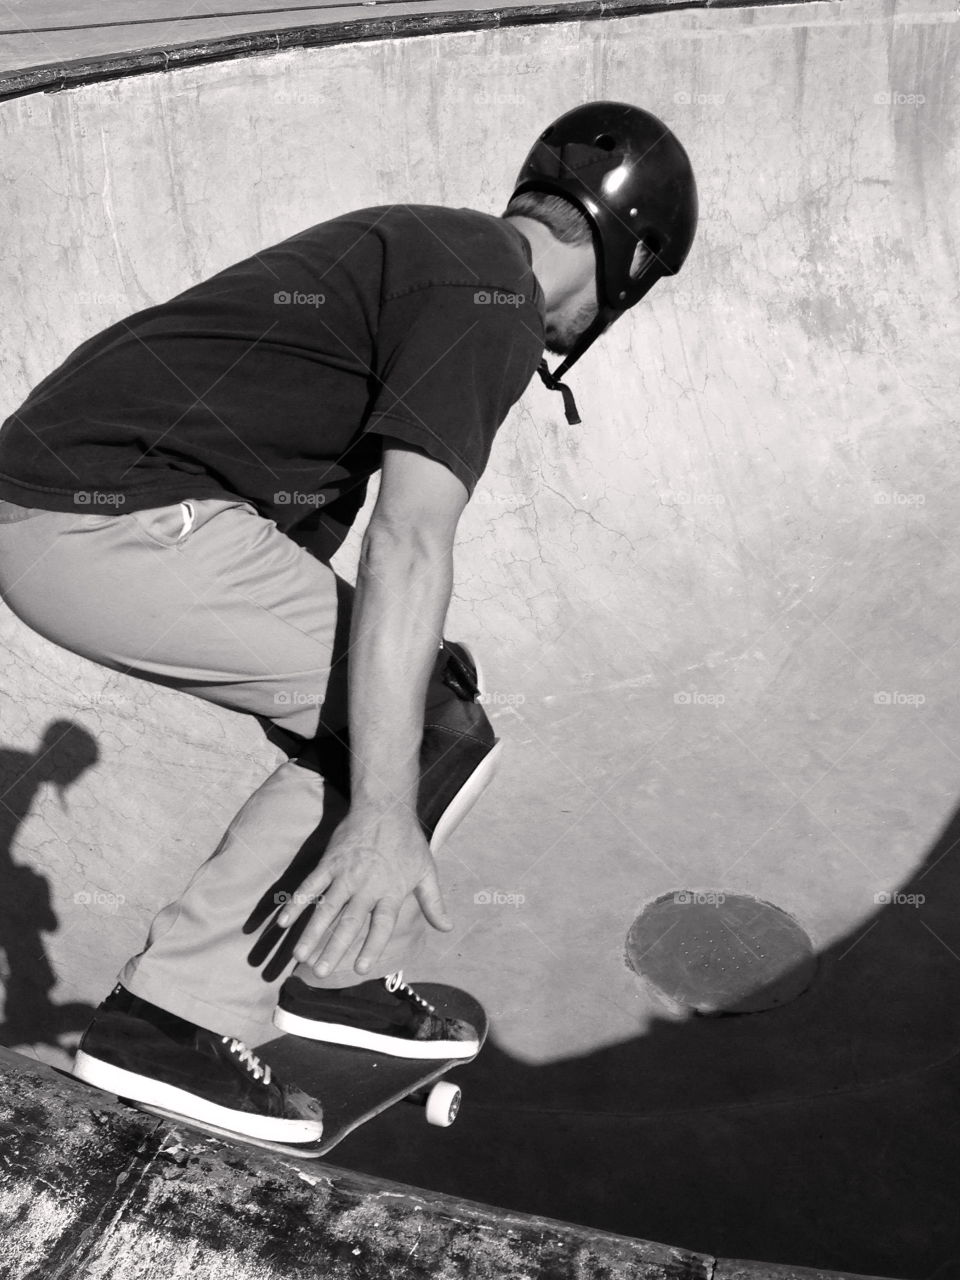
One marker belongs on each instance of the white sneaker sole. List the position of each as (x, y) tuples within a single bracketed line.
[(167, 1097), (466, 797), (389, 1046), (475, 785)]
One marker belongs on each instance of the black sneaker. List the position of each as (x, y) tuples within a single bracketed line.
[(385, 1015), (149, 1056), (459, 751)]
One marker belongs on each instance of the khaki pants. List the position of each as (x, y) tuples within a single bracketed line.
[(209, 597)]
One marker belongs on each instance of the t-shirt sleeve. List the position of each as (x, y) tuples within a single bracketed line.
[(451, 360)]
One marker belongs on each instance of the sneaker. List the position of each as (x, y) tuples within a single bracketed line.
[(459, 751), (385, 1015), (148, 1056)]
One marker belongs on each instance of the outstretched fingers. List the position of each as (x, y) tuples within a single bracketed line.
[(382, 924), (311, 893), (324, 957), (308, 948)]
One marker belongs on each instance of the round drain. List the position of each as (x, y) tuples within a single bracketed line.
[(720, 953)]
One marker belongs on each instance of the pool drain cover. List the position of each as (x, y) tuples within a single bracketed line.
[(720, 953)]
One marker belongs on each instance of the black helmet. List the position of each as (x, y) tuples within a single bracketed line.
[(632, 179)]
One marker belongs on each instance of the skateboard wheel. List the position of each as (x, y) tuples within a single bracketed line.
[(443, 1103)]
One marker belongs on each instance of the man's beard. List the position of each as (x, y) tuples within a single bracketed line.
[(561, 339)]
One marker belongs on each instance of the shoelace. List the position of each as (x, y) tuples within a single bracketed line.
[(396, 986), (248, 1058)]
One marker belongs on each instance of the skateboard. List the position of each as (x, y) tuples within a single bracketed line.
[(355, 1085)]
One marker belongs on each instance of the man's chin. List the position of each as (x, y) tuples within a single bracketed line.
[(561, 342), (556, 344)]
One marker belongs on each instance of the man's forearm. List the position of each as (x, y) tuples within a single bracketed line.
[(378, 855), (403, 590)]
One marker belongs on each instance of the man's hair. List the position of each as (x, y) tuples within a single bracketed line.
[(559, 216)]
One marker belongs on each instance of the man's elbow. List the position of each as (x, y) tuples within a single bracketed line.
[(389, 543)]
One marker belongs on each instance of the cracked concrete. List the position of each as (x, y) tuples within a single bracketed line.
[(769, 460)]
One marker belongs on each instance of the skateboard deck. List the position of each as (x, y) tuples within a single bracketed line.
[(355, 1085)]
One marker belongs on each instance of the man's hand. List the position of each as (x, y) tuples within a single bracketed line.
[(371, 864)]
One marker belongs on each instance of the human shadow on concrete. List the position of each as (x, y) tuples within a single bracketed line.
[(823, 1133), (63, 755), (65, 752)]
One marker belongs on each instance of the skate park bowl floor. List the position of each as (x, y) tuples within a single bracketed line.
[(717, 620)]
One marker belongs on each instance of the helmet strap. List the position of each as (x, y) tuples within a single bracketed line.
[(569, 404), (604, 319)]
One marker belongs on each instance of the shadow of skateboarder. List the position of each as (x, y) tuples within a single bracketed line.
[(30, 1017)]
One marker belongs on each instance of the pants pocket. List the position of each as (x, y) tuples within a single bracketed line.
[(176, 524), (165, 526)]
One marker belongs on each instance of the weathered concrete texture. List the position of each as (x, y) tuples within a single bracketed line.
[(90, 1189), (718, 620), (68, 45)]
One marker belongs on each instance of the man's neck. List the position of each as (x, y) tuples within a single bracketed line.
[(561, 269)]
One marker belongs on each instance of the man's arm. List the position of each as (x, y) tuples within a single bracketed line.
[(378, 854)]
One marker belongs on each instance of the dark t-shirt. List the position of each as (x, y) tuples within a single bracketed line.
[(276, 380)]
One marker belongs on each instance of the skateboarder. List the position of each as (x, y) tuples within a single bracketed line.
[(170, 499)]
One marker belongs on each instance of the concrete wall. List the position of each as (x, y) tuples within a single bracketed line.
[(719, 619), (758, 508)]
